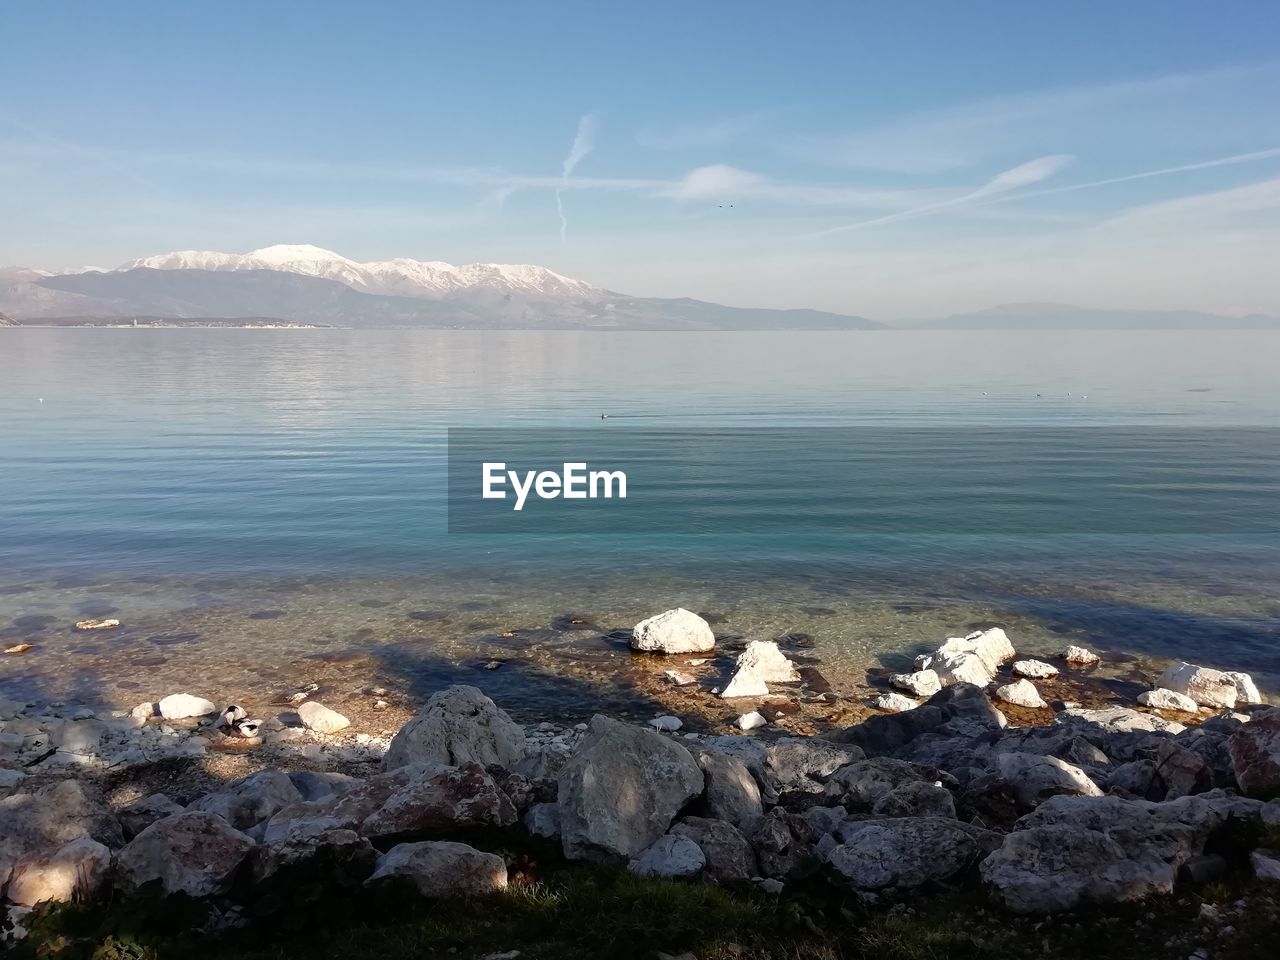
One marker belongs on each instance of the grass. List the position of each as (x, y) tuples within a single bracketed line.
[(584, 912)]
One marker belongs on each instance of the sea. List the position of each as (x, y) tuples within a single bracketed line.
[(266, 507)]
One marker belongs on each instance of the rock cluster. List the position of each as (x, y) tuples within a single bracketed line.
[(1096, 806)]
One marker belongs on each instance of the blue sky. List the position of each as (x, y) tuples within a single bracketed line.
[(884, 159)]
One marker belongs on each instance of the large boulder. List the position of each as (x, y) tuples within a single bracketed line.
[(51, 816), (675, 631), (143, 813), (728, 854), (1255, 755), (974, 658), (441, 868), (1209, 688), (439, 799), (622, 789), (1077, 850), (916, 798), (458, 725), (905, 853), (194, 852), (248, 802), (859, 785), (329, 850), (76, 871)]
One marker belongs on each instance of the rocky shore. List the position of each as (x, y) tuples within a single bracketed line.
[(966, 776)]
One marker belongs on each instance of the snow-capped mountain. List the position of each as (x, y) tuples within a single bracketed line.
[(400, 277)]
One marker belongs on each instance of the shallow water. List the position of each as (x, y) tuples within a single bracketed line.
[(266, 508)]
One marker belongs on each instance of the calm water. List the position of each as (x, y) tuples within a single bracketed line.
[(245, 500)]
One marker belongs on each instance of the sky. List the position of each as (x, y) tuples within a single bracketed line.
[(887, 160)]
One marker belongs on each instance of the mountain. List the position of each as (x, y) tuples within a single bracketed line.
[(1061, 316), (403, 277), (309, 285), (5, 321)]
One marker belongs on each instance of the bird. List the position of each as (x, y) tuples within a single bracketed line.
[(604, 416), (247, 728), (231, 715)]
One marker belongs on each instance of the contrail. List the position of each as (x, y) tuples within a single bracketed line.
[(983, 200), (1020, 176), (583, 142)]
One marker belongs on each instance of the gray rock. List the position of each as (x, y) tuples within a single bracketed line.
[(316, 784), (670, 856), (622, 789), (1255, 755), (248, 802), (327, 850), (439, 798), (781, 843), (675, 631), (1137, 779), (458, 725), (1182, 771), (51, 816), (543, 820), (1075, 850), (803, 764), (959, 709), (906, 853), (1108, 720), (861, 784), (75, 871), (441, 869), (1034, 778), (143, 813), (732, 793), (194, 852), (728, 854), (916, 798), (1266, 864)]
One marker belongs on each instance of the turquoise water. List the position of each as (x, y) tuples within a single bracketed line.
[(195, 479)]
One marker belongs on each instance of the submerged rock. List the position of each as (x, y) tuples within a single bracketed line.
[(316, 716), (458, 725), (675, 631), (1022, 693), (1163, 699), (1080, 656), (622, 789), (766, 661), (1035, 669)]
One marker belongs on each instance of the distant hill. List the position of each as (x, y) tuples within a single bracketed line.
[(1061, 316), (190, 292), (5, 321)]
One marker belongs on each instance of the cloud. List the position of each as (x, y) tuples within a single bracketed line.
[(584, 142), (706, 183)]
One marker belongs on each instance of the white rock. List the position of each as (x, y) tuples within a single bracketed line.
[(1080, 655), (675, 631), (97, 624), (765, 660), (962, 668), (1246, 689), (669, 856), (1022, 693), (666, 723), (678, 678), (316, 716), (894, 703), (1209, 688), (1035, 669), (745, 683), (991, 645), (751, 721), (922, 683), (183, 706), (1162, 699)]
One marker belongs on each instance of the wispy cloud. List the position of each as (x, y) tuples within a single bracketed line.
[(964, 134), (584, 142), (712, 133), (1022, 175)]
